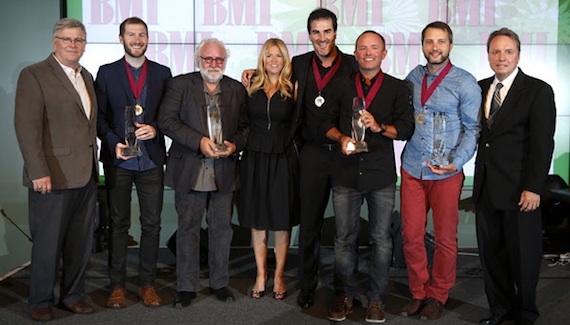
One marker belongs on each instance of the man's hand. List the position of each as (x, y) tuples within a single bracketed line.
[(230, 149), (369, 121), (145, 131), (209, 148), (42, 185), (246, 77), (347, 145), (442, 169), (529, 201), (119, 150)]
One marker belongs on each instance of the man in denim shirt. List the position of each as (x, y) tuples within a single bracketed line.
[(446, 106)]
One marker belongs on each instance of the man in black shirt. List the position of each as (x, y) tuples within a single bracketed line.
[(386, 115), (316, 72)]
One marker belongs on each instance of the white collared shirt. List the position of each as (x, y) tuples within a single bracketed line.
[(78, 83), (507, 83)]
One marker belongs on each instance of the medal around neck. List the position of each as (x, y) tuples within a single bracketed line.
[(358, 128), (132, 114), (215, 127), (319, 101)]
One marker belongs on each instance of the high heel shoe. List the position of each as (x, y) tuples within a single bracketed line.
[(257, 294), (279, 295)]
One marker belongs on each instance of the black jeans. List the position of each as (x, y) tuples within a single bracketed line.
[(150, 191), (315, 187)]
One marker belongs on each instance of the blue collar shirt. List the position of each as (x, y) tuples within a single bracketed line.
[(455, 104)]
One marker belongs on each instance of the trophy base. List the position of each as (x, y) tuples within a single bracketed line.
[(221, 147), (438, 162), (132, 152), (360, 146)]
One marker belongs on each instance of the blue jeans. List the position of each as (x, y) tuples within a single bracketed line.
[(347, 203)]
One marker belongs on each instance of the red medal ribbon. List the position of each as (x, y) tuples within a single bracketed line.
[(137, 87), (322, 82), (427, 93), (373, 90)]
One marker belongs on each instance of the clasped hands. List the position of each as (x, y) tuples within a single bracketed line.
[(210, 149)]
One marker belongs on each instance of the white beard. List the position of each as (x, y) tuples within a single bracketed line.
[(212, 76)]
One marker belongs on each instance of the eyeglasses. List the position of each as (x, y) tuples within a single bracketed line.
[(68, 40), (210, 59)]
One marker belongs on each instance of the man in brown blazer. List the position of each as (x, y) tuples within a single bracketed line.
[(55, 119)]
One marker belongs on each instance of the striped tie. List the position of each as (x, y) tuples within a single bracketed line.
[(495, 103)]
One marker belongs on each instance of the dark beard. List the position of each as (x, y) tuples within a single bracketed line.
[(129, 52), (443, 58)]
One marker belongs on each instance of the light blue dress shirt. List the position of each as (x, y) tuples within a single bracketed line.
[(455, 104)]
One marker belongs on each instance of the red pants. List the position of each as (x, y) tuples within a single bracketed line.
[(417, 197)]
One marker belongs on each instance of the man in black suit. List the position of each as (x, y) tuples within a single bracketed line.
[(203, 172), (515, 150), (137, 82)]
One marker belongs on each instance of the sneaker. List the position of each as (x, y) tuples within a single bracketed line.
[(432, 310), (341, 307), (375, 313), (183, 299), (223, 294)]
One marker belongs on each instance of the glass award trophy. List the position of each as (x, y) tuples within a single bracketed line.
[(215, 127), (132, 114), (438, 156), (358, 128)]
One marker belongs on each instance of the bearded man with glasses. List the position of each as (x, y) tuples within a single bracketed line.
[(205, 115)]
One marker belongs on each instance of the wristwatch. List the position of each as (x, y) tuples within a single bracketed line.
[(382, 128)]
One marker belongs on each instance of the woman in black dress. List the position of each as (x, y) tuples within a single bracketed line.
[(268, 195)]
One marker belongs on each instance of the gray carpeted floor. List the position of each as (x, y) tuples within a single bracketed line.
[(466, 305)]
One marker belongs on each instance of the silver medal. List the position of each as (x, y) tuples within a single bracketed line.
[(319, 101)]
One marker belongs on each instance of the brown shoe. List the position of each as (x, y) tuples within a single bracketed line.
[(42, 314), (375, 313), (149, 297), (341, 307), (116, 299), (432, 310), (79, 307), (413, 308)]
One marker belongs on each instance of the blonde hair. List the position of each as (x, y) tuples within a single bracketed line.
[(260, 79)]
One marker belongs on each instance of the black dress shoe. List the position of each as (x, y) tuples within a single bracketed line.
[(495, 319), (183, 299), (305, 299), (223, 294)]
